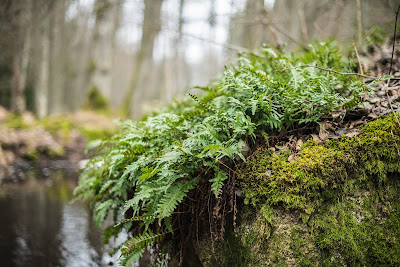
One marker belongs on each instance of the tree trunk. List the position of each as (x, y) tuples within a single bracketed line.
[(21, 42), (42, 85), (107, 14), (143, 64), (56, 103)]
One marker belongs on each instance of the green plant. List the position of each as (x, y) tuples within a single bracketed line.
[(149, 169), (96, 100)]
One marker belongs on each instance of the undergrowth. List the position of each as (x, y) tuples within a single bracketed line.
[(143, 174)]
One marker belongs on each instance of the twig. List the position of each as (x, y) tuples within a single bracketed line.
[(283, 32), (267, 17), (391, 64), (358, 57), (394, 40), (226, 45), (330, 70)]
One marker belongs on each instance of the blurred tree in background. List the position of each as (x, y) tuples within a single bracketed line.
[(138, 53)]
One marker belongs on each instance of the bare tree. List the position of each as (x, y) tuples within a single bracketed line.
[(107, 13), (143, 63), (20, 16)]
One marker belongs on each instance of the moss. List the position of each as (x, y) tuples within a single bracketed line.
[(32, 154), (57, 125), (96, 100), (245, 247), (56, 151), (335, 204), (16, 122), (93, 134)]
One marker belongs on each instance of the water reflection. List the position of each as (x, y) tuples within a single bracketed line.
[(38, 226)]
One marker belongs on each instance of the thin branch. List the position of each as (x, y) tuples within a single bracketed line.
[(267, 17), (394, 39), (226, 45), (283, 32), (358, 58), (334, 71)]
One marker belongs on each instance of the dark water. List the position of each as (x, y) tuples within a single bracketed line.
[(39, 227)]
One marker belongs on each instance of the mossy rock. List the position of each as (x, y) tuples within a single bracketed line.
[(336, 204)]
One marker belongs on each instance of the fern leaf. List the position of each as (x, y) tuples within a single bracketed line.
[(173, 197), (218, 181), (141, 241), (136, 218), (101, 210)]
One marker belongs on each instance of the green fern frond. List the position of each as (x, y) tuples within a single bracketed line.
[(152, 165), (173, 197), (102, 209), (136, 218), (137, 243)]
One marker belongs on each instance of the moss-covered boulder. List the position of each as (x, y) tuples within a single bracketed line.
[(336, 204)]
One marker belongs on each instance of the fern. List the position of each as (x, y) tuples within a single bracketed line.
[(136, 218), (150, 168), (141, 241), (173, 197)]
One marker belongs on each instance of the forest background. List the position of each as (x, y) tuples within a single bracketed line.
[(58, 56)]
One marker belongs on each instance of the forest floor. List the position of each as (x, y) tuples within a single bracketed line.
[(56, 142)]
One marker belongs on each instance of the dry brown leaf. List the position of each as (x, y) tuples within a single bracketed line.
[(299, 144), (291, 158), (323, 134), (327, 125), (352, 133), (372, 116), (316, 138)]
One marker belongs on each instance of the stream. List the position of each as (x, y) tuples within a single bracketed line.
[(40, 227)]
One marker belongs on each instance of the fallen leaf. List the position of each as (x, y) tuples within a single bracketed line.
[(327, 125), (342, 131), (352, 133), (316, 138), (299, 144), (367, 105), (323, 134), (372, 116), (291, 158)]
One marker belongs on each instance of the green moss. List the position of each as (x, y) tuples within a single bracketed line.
[(94, 133), (15, 121), (96, 100), (245, 249), (57, 125), (32, 154), (56, 151), (336, 204)]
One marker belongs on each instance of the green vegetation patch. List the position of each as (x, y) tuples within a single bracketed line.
[(146, 172), (342, 198)]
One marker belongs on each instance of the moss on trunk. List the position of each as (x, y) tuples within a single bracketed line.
[(335, 204)]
